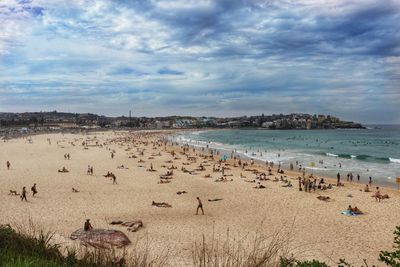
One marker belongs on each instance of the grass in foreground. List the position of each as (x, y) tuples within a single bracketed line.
[(19, 249)]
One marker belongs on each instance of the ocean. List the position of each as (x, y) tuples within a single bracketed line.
[(374, 151)]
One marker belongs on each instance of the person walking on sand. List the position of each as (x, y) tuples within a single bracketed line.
[(34, 190), (114, 178), (8, 165), (199, 206), (23, 194), (338, 179)]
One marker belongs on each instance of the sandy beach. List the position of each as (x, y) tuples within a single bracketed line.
[(317, 228)]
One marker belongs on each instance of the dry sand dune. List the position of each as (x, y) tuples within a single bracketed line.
[(317, 228)]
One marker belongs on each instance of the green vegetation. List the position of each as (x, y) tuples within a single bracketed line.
[(36, 250), (19, 249), (392, 258)]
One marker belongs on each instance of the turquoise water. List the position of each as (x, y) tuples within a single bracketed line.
[(369, 152)]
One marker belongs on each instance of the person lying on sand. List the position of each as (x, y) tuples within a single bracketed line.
[(122, 167), (207, 176), (63, 170), (151, 168), (163, 182), (200, 168), (141, 161), (354, 211), (325, 187), (169, 173), (13, 193), (288, 184), (166, 177), (283, 179), (215, 199), (181, 192), (161, 204), (75, 190), (223, 179), (172, 167), (259, 186), (323, 198)]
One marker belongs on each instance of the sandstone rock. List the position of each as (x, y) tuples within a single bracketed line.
[(101, 237)]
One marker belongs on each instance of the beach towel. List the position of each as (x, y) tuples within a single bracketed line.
[(349, 213)]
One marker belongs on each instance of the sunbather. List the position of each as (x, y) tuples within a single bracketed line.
[(161, 204)]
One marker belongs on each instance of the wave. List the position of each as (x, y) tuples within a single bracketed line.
[(368, 158), (393, 160), (331, 155)]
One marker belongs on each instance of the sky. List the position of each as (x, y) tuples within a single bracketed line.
[(202, 57)]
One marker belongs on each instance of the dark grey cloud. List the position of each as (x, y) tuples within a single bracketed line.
[(228, 57)]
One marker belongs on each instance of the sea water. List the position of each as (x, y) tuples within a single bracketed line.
[(372, 152)]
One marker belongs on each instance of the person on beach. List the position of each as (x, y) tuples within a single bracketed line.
[(199, 206), (34, 190), (23, 194), (114, 178), (370, 181), (357, 211), (377, 195), (366, 188), (87, 226), (338, 179), (358, 177), (350, 208), (8, 165)]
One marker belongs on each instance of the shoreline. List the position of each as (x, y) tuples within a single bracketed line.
[(284, 166)]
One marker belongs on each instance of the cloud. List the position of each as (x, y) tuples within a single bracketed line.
[(222, 57), (168, 71)]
